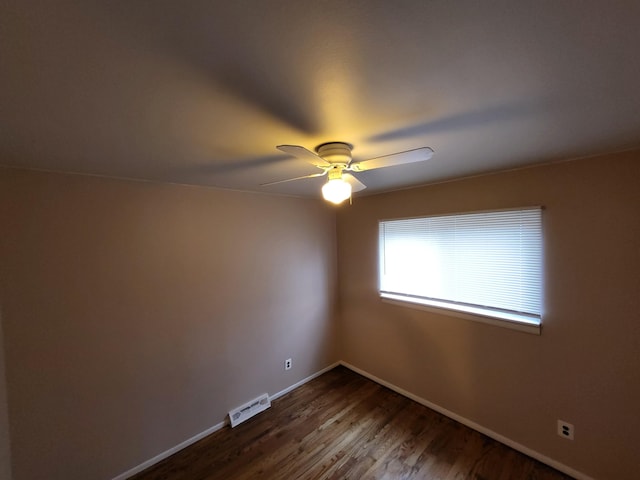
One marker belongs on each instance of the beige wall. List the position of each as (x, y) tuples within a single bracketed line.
[(584, 368), (136, 315)]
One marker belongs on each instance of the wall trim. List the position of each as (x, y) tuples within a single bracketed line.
[(219, 426), (447, 413), (171, 451), (275, 396), (473, 425)]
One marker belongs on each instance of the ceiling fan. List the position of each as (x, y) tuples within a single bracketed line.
[(334, 159)]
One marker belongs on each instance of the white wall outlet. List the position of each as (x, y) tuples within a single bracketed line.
[(287, 364), (565, 429)]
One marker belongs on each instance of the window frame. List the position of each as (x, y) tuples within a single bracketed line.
[(530, 323)]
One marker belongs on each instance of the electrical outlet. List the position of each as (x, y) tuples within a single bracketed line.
[(287, 364), (565, 429)]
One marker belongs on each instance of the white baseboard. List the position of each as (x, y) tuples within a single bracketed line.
[(171, 451), (473, 425), (458, 418), (275, 396), (215, 428)]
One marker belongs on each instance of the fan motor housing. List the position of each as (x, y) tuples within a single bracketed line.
[(335, 152)]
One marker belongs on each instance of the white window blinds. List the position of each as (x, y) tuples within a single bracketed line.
[(491, 260)]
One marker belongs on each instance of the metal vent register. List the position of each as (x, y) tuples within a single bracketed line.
[(249, 409)]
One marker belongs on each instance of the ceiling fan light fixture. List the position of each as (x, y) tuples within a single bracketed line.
[(336, 190), (334, 159)]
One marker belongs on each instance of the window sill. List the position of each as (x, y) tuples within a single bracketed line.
[(522, 323)]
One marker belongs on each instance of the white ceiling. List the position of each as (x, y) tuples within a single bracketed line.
[(201, 92)]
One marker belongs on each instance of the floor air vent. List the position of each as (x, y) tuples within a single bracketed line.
[(249, 409)]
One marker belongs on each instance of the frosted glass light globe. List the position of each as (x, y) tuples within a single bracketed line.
[(336, 191)]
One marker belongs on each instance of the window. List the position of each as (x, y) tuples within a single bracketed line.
[(485, 266)]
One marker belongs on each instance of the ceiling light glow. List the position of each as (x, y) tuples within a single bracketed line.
[(336, 190)]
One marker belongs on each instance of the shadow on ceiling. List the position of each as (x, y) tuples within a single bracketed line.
[(456, 122)]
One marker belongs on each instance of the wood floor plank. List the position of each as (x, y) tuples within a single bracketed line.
[(344, 426)]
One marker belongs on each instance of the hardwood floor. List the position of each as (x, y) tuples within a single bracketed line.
[(344, 426)]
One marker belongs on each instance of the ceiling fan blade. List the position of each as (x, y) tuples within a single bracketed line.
[(296, 178), (356, 185), (304, 154), (401, 158)]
